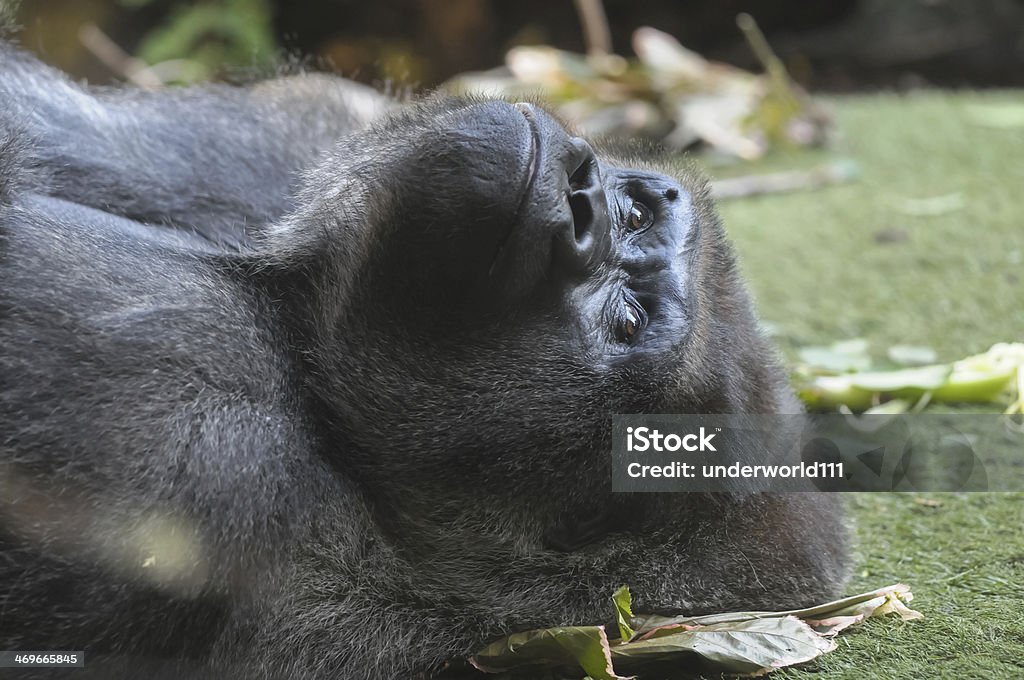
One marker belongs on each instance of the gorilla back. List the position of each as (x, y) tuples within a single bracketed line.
[(377, 436)]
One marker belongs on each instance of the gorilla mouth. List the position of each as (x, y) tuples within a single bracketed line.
[(532, 168), (570, 534), (562, 211), (578, 174), (586, 526)]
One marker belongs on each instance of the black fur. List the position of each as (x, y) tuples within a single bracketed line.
[(220, 161), (354, 422)]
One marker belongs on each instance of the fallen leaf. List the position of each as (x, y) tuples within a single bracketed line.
[(922, 378), (583, 646), (747, 646), (912, 355), (839, 357), (735, 642)]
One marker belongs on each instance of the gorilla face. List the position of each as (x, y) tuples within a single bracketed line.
[(500, 293), (495, 238), (494, 209)]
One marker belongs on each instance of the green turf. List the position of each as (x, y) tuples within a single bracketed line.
[(954, 281)]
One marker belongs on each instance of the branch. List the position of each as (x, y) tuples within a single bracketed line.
[(117, 60), (596, 34)]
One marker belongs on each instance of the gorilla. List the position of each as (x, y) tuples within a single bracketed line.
[(300, 382)]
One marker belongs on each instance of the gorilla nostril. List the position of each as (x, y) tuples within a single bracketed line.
[(585, 241), (581, 177), (583, 182), (582, 215)]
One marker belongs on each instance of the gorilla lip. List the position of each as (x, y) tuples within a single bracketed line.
[(534, 162), (532, 165)]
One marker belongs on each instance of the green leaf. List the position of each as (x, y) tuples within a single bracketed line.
[(893, 407), (583, 646), (915, 380), (912, 355), (968, 384), (624, 612), (828, 392), (839, 357), (991, 376)]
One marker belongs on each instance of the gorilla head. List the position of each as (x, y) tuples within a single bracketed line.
[(387, 418), (483, 293)]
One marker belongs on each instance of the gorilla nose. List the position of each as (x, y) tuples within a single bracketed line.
[(564, 219), (581, 242)]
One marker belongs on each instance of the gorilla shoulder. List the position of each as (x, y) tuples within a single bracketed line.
[(217, 161)]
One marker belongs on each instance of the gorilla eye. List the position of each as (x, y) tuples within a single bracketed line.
[(640, 216), (633, 320)]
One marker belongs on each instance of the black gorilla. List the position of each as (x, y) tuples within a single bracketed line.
[(286, 396)]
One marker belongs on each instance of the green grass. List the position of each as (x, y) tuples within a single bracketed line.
[(953, 281)]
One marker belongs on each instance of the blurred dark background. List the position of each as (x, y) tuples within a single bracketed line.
[(839, 45)]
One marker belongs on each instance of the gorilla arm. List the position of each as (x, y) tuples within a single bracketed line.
[(218, 160)]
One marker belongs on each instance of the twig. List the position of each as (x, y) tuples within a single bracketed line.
[(780, 182), (117, 60), (773, 66), (596, 34)]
